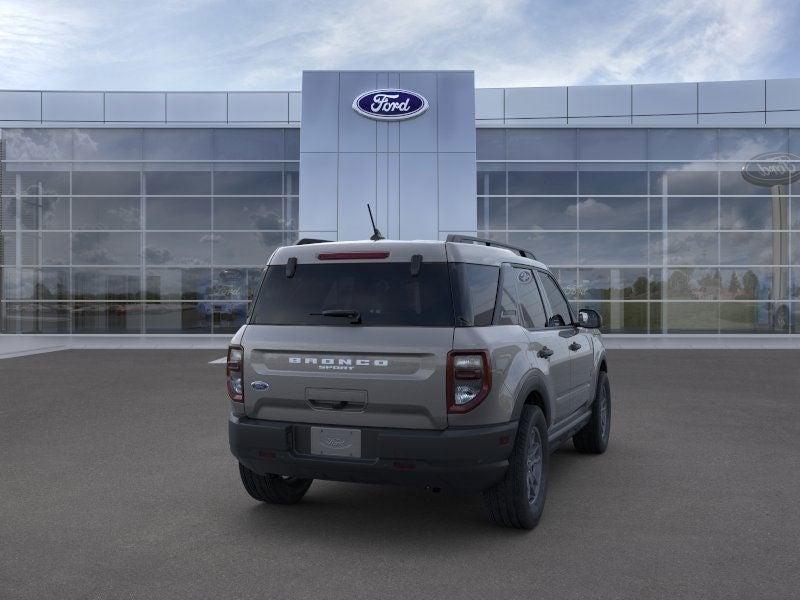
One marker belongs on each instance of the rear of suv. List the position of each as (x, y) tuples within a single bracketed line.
[(456, 365)]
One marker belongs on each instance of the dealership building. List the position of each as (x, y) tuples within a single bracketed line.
[(671, 209)]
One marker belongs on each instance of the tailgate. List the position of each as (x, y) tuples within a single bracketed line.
[(345, 375)]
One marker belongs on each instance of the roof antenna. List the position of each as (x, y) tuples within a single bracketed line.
[(376, 234)]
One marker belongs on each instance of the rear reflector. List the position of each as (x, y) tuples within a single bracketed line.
[(352, 255)]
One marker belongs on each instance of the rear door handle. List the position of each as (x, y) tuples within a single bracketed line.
[(574, 346), (545, 352)]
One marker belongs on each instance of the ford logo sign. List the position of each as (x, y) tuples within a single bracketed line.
[(772, 168), (259, 385), (390, 105)]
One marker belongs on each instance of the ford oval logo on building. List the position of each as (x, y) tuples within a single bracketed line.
[(390, 105), (772, 168)]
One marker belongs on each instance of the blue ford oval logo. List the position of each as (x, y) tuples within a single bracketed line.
[(390, 105), (259, 385)]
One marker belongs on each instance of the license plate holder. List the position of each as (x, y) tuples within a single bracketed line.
[(335, 441)]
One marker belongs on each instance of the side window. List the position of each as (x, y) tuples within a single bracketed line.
[(506, 313), (558, 304), (530, 301)]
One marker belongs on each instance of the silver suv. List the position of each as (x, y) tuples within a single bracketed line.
[(456, 365)]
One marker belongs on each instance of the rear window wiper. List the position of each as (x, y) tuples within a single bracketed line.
[(353, 315)]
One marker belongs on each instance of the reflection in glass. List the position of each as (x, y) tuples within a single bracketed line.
[(490, 144), (612, 182), (46, 248), (492, 213), (542, 213), (107, 144), (291, 179), (550, 248), (106, 248), (38, 144), (612, 144), (692, 213), (105, 213), (291, 141), (237, 249), (178, 144), (691, 317), (177, 183), (541, 144), (682, 144), (248, 182), (754, 213), (754, 317), (732, 182), (522, 180), (177, 284), (692, 248), (36, 181), (491, 179), (693, 284), (177, 213), (678, 182), (178, 248), (755, 248), (35, 317), (612, 213), (107, 317), (755, 283), (744, 144), (43, 212), (613, 248), (112, 183), (49, 283), (177, 317), (230, 284), (106, 284), (248, 144), (228, 317), (248, 213), (621, 317), (613, 284)]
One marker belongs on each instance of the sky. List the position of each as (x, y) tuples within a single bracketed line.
[(265, 45)]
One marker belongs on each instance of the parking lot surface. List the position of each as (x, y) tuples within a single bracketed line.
[(116, 482)]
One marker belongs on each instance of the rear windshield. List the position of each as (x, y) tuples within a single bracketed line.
[(385, 294)]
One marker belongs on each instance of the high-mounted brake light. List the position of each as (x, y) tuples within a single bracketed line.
[(233, 371), (352, 255), (469, 379)]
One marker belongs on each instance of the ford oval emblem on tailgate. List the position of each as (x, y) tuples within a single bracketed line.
[(259, 385)]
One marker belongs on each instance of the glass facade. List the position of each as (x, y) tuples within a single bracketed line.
[(166, 230), (141, 230), (656, 229)]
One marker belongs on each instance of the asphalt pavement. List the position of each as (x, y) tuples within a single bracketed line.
[(116, 482)]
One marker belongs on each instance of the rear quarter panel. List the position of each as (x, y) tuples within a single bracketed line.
[(507, 346)]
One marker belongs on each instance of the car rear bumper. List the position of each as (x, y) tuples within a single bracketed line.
[(458, 459)]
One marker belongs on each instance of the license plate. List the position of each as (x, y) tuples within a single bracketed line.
[(331, 441)]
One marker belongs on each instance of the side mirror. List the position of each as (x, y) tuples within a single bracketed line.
[(590, 319)]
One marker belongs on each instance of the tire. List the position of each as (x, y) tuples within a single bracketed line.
[(510, 502), (274, 489), (593, 437)]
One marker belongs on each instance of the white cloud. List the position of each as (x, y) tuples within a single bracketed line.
[(209, 44)]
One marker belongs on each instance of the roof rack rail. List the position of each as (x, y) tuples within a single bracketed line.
[(467, 239), (305, 241)]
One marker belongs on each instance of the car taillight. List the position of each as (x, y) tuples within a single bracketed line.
[(234, 373), (469, 379)]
